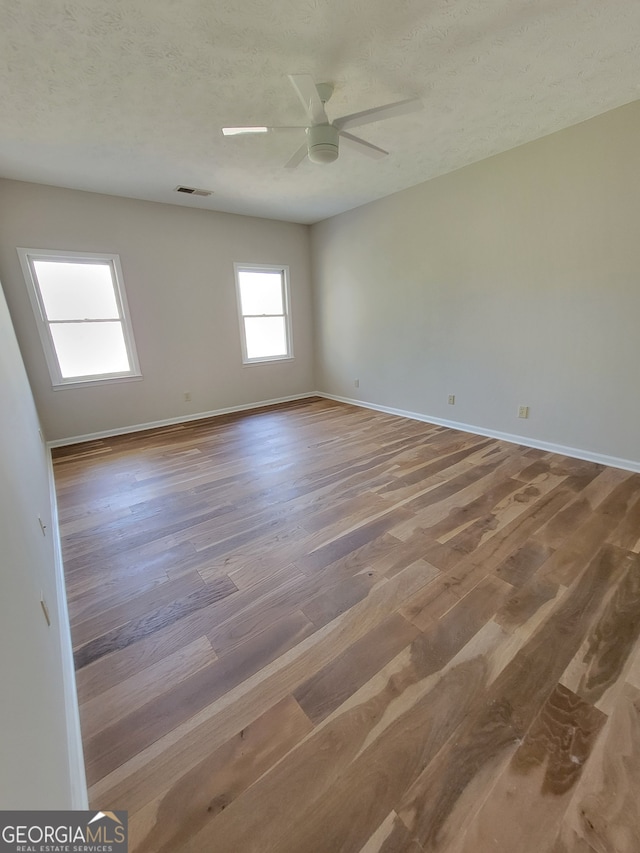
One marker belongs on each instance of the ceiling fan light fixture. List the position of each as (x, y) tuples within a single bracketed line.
[(322, 143)]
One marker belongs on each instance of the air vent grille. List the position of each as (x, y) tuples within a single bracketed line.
[(193, 191)]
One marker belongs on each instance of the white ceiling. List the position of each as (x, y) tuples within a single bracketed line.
[(127, 97)]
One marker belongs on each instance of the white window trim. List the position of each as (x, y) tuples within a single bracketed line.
[(27, 256), (286, 297)]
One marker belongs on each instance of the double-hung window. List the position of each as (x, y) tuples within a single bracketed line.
[(80, 307), (263, 306)]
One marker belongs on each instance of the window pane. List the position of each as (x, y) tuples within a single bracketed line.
[(76, 291), (265, 337), (261, 292), (90, 349)]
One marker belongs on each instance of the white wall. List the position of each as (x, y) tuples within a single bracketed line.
[(515, 281), (178, 269), (37, 739)]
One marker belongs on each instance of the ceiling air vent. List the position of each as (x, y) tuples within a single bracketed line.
[(193, 191)]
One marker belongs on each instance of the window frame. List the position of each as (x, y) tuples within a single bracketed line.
[(58, 381), (286, 304)]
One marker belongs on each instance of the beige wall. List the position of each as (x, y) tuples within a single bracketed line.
[(178, 270), (515, 281), (39, 734)]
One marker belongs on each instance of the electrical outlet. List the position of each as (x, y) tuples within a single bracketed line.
[(187, 396), (452, 399), (356, 383), (523, 412)]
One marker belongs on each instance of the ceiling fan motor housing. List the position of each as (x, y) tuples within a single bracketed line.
[(322, 143)]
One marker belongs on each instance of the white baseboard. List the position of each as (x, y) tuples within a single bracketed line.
[(182, 419), (576, 453), (526, 441), (75, 753)]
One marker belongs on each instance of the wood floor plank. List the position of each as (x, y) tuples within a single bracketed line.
[(627, 533), (528, 802), (153, 560), (324, 555), (385, 735), (578, 511), (328, 688), (213, 784), (511, 704), (604, 814), (430, 603), (392, 836), (106, 707), (135, 607), (444, 459), (316, 627), (468, 562), (137, 629), (325, 606), (144, 724), (98, 596), (523, 563), (121, 664), (599, 663), (524, 602), (388, 737), (439, 497), (137, 780)]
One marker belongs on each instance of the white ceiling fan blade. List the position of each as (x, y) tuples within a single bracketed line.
[(362, 146), (297, 158), (308, 94), (239, 131), (236, 131), (399, 108)]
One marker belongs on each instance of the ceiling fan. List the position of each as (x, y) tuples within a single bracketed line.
[(321, 145)]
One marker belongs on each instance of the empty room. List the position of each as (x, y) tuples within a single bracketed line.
[(319, 426)]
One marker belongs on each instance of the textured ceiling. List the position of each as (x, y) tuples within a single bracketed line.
[(128, 96)]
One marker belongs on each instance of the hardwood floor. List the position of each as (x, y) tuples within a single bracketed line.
[(318, 628)]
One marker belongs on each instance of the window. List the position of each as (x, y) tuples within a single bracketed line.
[(81, 311), (263, 303)]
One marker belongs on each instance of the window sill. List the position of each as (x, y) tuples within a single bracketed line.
[(258, 361), (90, 383)]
